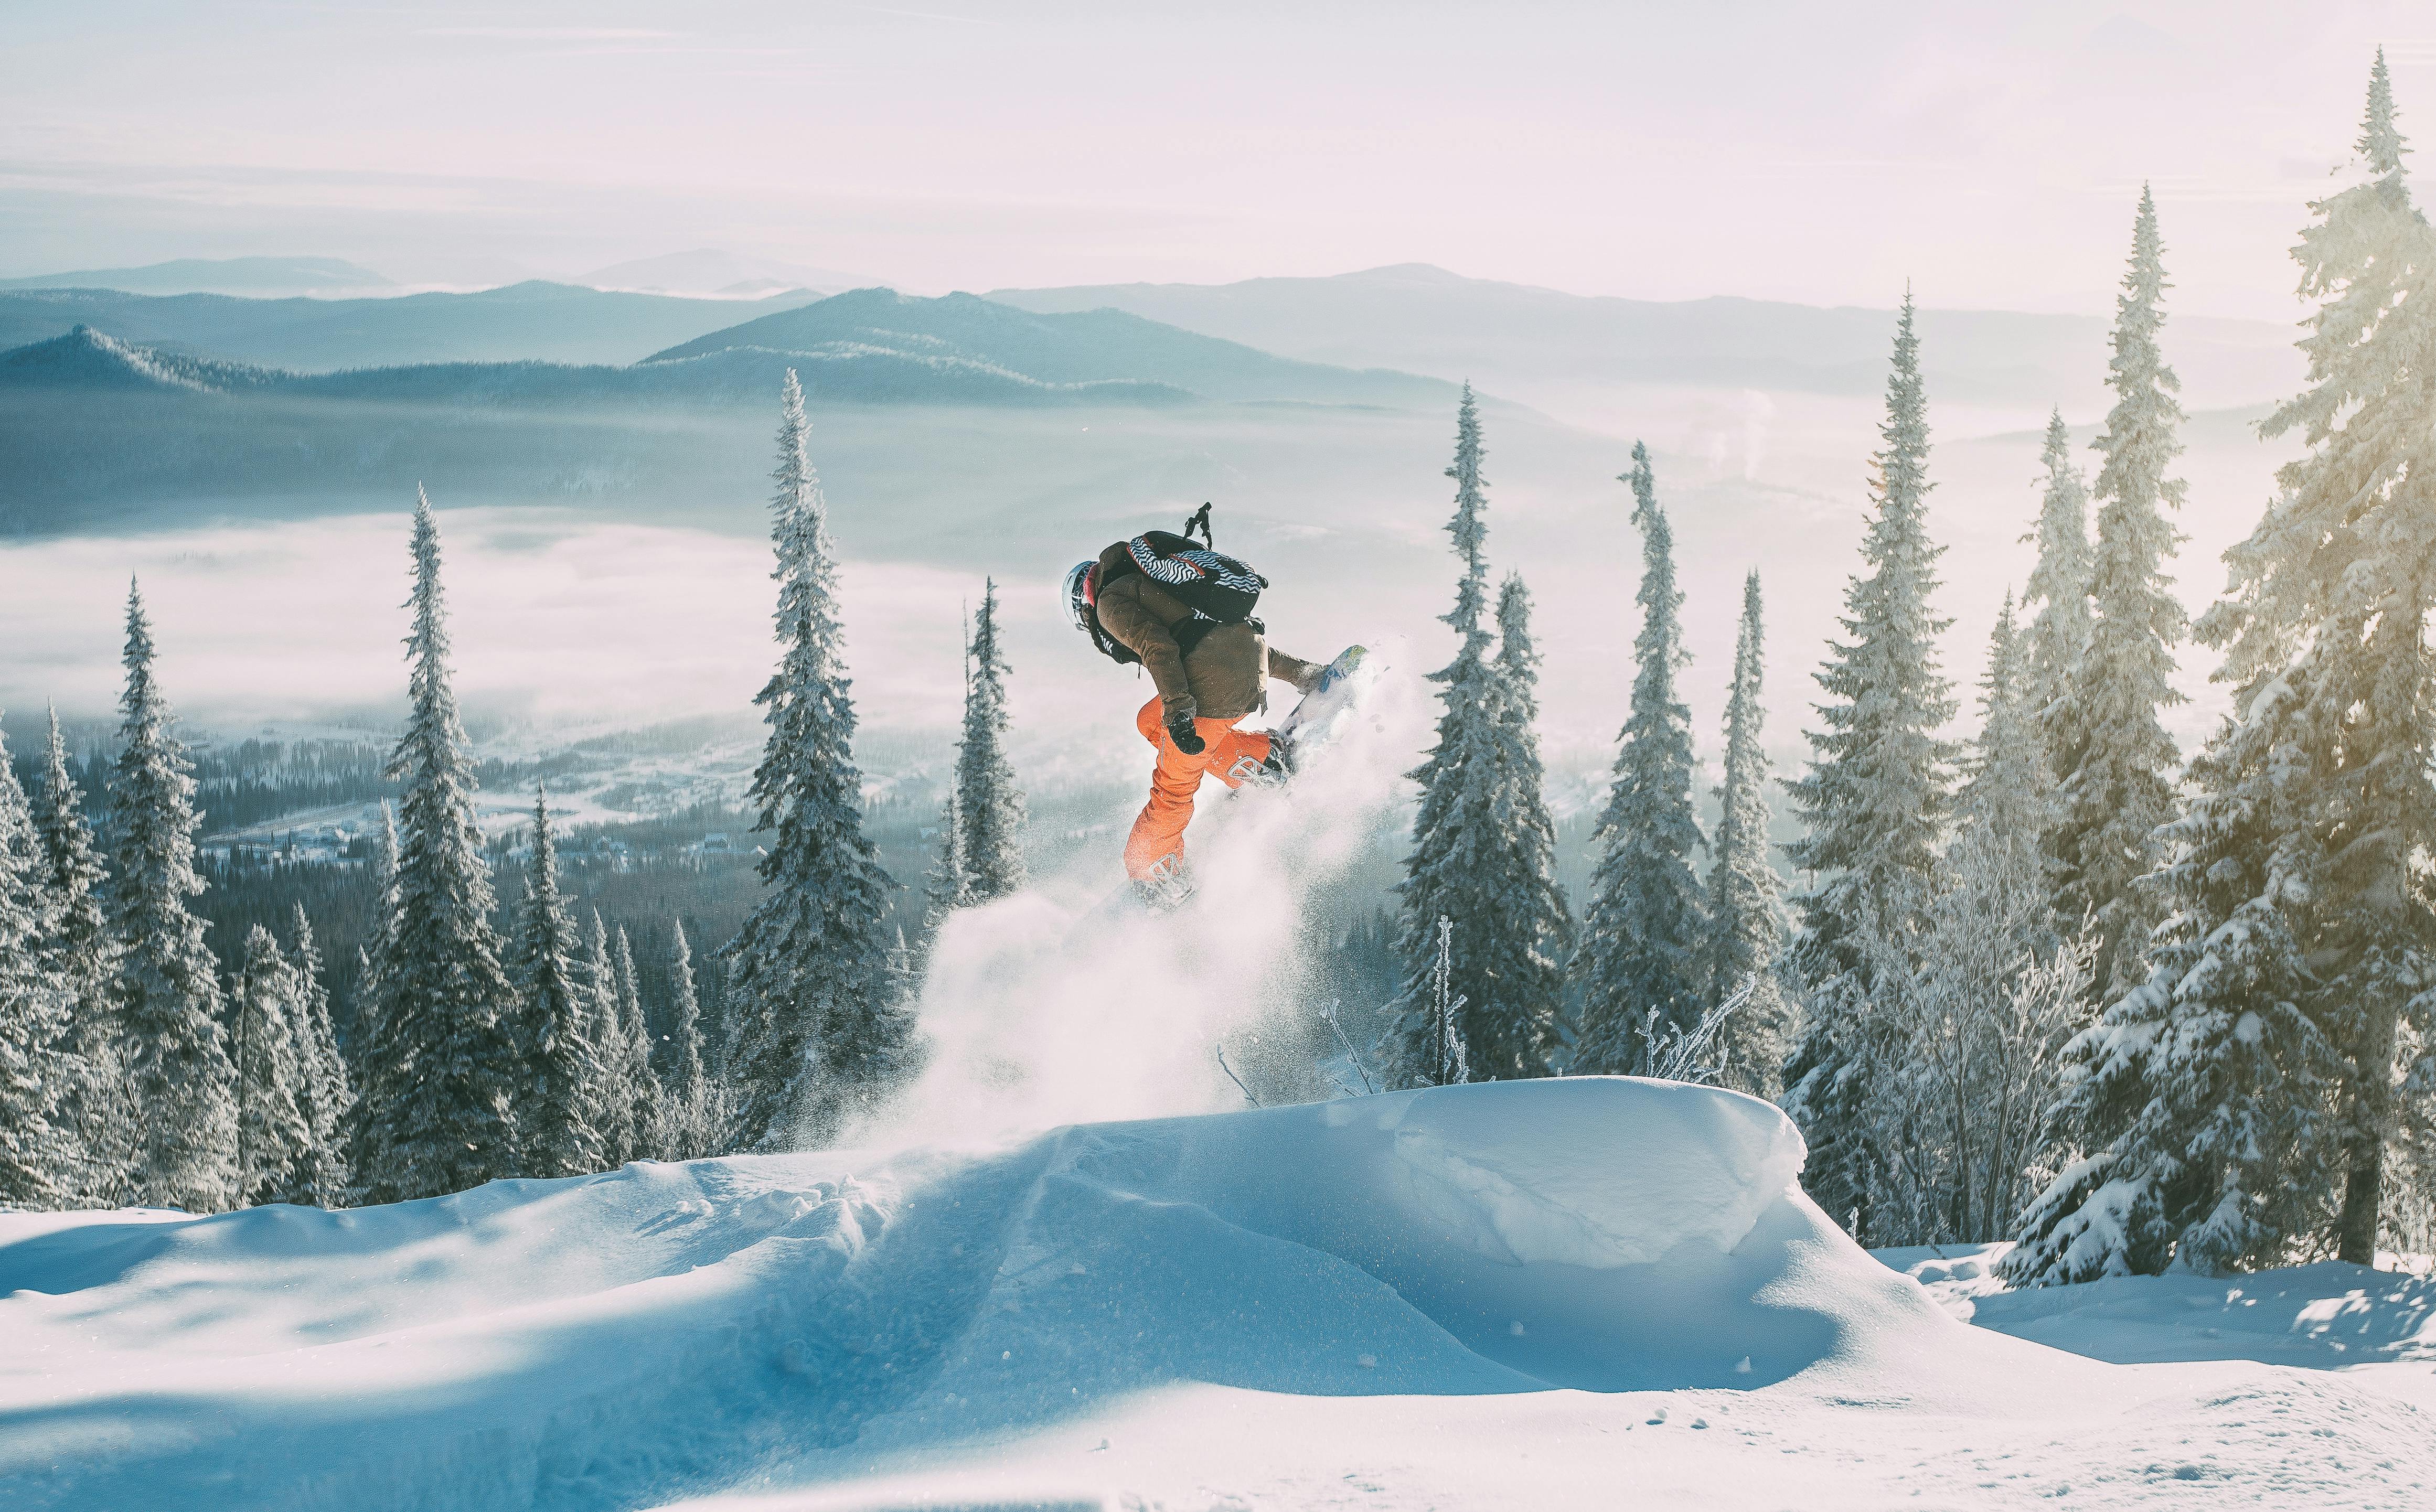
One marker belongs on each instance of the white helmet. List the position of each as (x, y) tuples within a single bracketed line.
[(1077, 594)]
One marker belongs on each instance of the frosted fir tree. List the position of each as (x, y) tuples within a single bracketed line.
[(818, 1035), (446, 1083), (992, 806), (2116, 771), (2058, 587), (642, 1083), (1874, 803), (611, 1099), (176, 1063), (692, 1124), (38, 1154), (1646, 925), (1468, 864), (101, 1111), (2344, 568), (1534, 928), (2201, 1104), (561, 1068), (1745, 904), (329, 1091), (368, 1128), (949, 885), (274, 1130), (2005, 788)]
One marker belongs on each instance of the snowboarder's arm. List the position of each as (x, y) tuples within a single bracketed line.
[(1302, 674), (1124, 616)]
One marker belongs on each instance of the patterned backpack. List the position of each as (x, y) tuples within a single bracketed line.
[(1215, 586)]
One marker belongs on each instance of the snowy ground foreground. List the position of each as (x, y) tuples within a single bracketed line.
[(2376, 1327), (1585, 1293)]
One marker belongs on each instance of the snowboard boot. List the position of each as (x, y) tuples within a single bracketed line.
[(1167, 887), (1270, 771)]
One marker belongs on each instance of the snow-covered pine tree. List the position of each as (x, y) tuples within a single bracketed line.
[(368, 1126), (2345, 563), (445, 1003), (2006, 787), (2201, 1100), (611, 1100), (1535, 927), (1466, 865), (101, 1111), (949, 886), (38, 1155), (1747, 922), (274, 1128), (692, 1123), (817, 1033), (1874, 802), (1645, 927), (642, 1083), (169, 981), (992, 805), (329, 1091), (2058, 585), (561, 1068), (2115, 776)]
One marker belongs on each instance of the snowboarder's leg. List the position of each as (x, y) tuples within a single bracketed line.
[(1235, 754), (1157, 843)]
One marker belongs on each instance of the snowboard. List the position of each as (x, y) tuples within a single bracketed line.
[(1317, 717)]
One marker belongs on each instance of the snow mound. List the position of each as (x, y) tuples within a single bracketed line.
[(785, 1321), (1565, 1186)]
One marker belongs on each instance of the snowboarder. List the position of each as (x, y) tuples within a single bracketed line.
[(1184, 612)]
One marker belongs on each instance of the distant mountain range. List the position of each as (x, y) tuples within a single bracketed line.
[(253, 277), (1528, 343), (529, 322), (707, 271), (94, 427), (1094, 346), (87, 361)]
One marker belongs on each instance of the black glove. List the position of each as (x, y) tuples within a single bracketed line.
[(1181, 730)]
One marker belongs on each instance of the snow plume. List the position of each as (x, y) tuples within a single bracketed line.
[(1038, 1012)]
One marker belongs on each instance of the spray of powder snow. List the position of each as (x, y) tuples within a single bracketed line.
[(1040, 1014)]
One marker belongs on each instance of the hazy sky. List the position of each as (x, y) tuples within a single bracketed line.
[(1822, 153)]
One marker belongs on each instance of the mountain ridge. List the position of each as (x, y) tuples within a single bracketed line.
[(1527, 341)]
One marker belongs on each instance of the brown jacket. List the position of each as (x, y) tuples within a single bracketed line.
[(1225, 678)]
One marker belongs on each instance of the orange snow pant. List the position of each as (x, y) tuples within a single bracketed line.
[(1229, 753)]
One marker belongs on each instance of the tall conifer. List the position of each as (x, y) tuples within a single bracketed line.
[(2117, 773), (1466, 859), (991, 804), (1874, 803), (561, 1070), (1647, 924), (2344, 566), (38, 1156), (1747, 923), (101, 1108), (641, 1081), (329, 1091), (692, 1121), (446, 1004), (169, 982), (817, 1033)]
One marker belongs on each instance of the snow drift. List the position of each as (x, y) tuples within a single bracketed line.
[(618, 1340)]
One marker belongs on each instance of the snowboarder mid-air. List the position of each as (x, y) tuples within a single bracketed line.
[(1183, 611)]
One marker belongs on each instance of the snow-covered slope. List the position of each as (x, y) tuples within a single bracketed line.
[(1586, 1293)]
